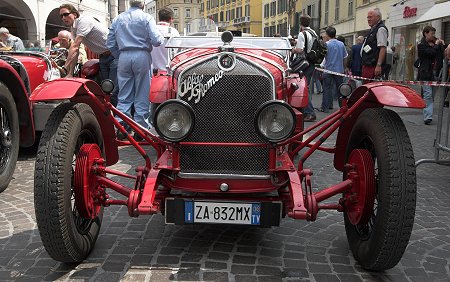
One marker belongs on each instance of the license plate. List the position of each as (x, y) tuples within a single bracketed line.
[(221, 212)]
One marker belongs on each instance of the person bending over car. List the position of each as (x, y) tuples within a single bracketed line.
[(93, 34)]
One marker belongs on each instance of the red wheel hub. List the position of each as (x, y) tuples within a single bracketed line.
[(86, 188), (359, 199)]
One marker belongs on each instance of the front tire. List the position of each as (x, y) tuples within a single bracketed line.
[(380, 243), (67, 237), (9, 136)]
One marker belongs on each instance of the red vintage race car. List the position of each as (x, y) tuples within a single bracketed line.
[(20, 74), (231, 148)]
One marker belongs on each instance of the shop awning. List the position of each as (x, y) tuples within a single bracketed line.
[(438, 11)]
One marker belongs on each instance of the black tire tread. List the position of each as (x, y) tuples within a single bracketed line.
[(6, 175), (397, 202), (50, 202)]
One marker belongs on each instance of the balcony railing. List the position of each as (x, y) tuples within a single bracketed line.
[(241, 20)]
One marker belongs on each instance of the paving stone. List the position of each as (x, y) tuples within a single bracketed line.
[(245, 278), (214, 265), (242, 269), (145, 249), (244, 259), (215, 276)]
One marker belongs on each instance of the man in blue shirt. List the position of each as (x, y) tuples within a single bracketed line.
[(131, 37), (334, 61), (356, 56), (10, 40)]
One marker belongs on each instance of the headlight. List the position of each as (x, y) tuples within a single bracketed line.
[(275, 121), (174, 120), (345, 89)]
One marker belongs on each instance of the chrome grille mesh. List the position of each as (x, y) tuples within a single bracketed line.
[(226, 114)]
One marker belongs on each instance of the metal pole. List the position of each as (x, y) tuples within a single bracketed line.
[(438, 145)]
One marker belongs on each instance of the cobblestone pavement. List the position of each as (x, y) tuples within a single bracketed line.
[(145, 249)]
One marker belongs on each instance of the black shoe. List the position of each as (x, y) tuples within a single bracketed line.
[(427, 121), (123, 136), (310, 118), (138, 138), (446, 104), (321, 110)]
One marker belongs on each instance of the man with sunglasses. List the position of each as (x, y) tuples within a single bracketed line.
[(93, 34)]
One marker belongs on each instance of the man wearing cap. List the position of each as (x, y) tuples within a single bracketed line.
[(131, 37)]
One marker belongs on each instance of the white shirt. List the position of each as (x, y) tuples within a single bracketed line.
[(94, 33), (159, 54), (301, 39)]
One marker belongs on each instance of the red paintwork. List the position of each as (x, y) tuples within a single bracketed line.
[(90, 68), (359, 199), (84, 91), (299, 97), (379, 94), (391, 94), (36, 68), (85, 184), (160, 88), (154, 181), (11, 79)]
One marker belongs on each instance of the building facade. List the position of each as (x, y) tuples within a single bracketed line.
[(187, 17), (150, 8), (239, 15)]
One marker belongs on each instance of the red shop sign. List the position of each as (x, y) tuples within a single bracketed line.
[(409, 12)]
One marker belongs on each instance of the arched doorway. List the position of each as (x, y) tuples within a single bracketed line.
[(19, 20), (54, 24)]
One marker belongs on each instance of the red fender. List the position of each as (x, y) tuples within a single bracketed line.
[(11, 79), (299, 97), (389, 94), (159, 88), (76, 90), (380, 94), (90, 68)]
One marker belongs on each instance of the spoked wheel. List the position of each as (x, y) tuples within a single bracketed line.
[(68, 232), (9, 136), (378, 230)]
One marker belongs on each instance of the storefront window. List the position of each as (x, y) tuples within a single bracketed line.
[(404, 40)]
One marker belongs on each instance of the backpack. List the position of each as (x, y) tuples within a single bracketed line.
[(318, 49)]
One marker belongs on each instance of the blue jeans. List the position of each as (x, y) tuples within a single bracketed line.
[(134, 78), (108, 70), (309, 110), (315, 81), (330, 90), (428, 96)]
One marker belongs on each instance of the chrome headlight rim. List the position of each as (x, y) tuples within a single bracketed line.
[(269, 104), (165, 104), (345, 89)]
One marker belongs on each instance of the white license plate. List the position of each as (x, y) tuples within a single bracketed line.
[(222, 212)]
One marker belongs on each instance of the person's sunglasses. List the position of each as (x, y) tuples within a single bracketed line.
[(65, 15)]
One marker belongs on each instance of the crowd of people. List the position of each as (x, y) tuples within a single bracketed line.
[(126, 54), (134, 45), (370, 58)]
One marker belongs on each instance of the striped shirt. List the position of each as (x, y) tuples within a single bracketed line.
[(93, 32)]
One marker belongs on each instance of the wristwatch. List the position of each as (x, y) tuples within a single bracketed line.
[(378, 65)]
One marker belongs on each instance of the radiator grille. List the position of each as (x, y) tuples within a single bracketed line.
[(226, 114)]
